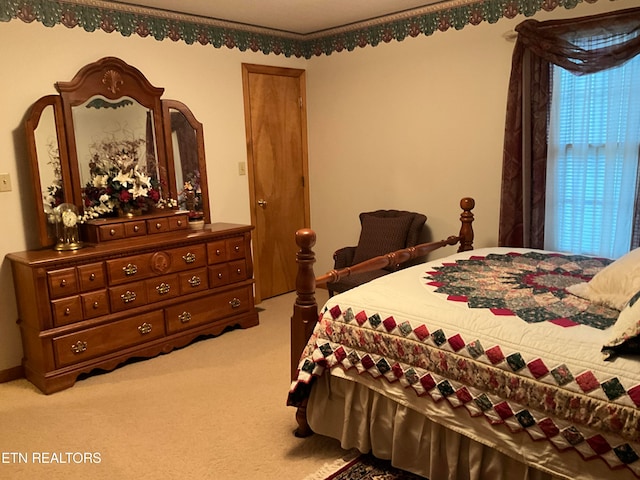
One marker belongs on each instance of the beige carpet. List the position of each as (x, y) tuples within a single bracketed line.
[(213, 410)]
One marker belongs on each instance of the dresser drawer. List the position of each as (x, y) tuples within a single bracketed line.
[(193, 281), (62, 283), (66, 310), (91, 276), (186, 258), (93, 342), (128, 269), (208, 309), (127, 296), (178, 222), (224, 250), (136, 228), (158, 225), (95, 304), (225, 273), (219, 275), (161, 288), (112, 231)]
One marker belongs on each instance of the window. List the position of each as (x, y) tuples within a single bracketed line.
[(592, 162)]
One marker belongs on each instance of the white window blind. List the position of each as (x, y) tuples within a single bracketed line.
[(592, 164)]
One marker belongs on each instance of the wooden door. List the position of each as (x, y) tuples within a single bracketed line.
[(276, 128)]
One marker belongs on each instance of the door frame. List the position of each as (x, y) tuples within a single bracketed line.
[(248, 68)]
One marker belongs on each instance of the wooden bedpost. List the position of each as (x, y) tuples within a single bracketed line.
[(466, 228), (305, 308)]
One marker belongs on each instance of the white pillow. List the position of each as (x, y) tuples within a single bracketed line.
[(624, 335), (615, 284)]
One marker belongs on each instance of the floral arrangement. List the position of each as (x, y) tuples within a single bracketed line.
[(190, 198), (54, 194), (119, 182)]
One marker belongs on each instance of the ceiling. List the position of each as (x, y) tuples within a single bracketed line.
[(301, 17)]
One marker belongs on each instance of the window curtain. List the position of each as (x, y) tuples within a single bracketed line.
[(540, 45)]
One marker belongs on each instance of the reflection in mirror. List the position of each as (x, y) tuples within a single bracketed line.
[(48, 160), (49, 167), (185, 157), (117, 158), (185, 148)]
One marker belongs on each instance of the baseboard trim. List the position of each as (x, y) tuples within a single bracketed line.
[(10, 374)]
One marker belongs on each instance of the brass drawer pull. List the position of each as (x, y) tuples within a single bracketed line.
[(145, 328), (128, 296), (235, 303), (67, 311), (92, 277), (218, 252), (239, 271), (96, 305), (112, 232), (130, 269), (163, 288), (195, 281), (158, 226), (237, 248), (79, 347), (185, 317), (179, 223), (220, 276), (63, 283), (136, 228), (189, 257)]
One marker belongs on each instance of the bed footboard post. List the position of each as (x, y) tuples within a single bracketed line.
[(305, 309), (466, 220)]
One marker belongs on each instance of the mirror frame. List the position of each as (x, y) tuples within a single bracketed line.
[(112, 78), (167, 105), (45, 234)]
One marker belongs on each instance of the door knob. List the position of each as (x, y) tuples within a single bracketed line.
[(262, 203)]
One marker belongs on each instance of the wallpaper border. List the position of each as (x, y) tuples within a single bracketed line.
[(110, 17)]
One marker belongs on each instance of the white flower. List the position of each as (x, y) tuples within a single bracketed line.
[(124, 178), (142, 178), (100, 181), (138, 191)]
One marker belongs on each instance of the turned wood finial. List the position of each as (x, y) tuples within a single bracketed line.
[(466, 220)]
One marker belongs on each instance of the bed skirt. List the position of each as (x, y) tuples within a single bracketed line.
[(363, 419)]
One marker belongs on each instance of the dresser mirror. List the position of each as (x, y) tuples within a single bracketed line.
[(49, 163), (109, 110), (185, 142)]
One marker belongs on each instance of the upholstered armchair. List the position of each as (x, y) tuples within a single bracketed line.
[(382, 232)]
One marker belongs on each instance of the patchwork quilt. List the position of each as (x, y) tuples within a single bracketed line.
[(495, 333)]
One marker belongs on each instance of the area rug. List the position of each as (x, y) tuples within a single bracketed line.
[(361, 467)]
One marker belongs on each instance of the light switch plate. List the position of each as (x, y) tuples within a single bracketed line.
[(242, 168), (5, 182)]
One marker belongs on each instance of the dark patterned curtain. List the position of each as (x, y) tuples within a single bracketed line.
[(539, 46)]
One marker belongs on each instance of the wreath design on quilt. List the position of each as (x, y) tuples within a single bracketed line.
[(529, 285)]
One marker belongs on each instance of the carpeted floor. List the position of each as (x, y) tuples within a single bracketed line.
[(213, 410)]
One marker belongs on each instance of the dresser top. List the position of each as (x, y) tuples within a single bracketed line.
[(130, 246)]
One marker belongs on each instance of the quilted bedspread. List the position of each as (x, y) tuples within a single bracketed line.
[(493, 332)]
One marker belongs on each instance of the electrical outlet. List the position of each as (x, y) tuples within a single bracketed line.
[(5, 182), (242, 168)]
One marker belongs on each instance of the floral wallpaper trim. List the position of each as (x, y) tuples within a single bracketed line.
[(92, 15)]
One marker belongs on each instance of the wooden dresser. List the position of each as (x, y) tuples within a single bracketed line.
[(96, 307)]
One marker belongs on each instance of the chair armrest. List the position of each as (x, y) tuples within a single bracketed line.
[(343, 257)]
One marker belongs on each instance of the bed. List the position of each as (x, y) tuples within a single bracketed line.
[(493, 363)]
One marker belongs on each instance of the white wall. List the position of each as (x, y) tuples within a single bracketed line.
[(411, 125)]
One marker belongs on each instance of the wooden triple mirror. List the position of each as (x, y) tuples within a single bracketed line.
[(111, 146)]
